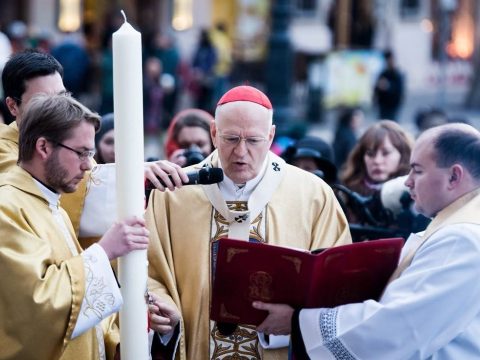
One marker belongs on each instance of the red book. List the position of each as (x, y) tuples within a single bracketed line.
[(247, 271)]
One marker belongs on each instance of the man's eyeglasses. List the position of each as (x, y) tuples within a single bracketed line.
[(234, 140), (82, 155)]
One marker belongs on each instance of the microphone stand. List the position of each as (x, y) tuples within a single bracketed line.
[(369, 227), (361, 204)]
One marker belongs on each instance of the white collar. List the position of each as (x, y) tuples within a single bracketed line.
[(232, 191), (258, 193), (52, 197)]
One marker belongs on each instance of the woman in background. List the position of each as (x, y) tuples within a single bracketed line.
[(382, 153), (188, 138), (105, 141)]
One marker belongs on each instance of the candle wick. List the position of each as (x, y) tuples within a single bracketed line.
[(124, 16)]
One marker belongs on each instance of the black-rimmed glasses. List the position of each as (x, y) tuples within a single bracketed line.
[(82, 155)]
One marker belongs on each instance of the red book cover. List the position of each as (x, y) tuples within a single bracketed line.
[(247, 271)]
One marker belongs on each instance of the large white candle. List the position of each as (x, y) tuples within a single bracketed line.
[(129, 157)]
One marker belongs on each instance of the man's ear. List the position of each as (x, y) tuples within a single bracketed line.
[(213, 133), (456, 175), (272, 132), (43, 148), (12, 106)]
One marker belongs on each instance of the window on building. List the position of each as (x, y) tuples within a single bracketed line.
[(306, 6), (69, 15), (454, 30), (182, 14), (410, 9)]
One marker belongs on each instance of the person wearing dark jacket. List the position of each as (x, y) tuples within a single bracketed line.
[(389, 89)]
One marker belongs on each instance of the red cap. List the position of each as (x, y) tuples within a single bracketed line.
[(245, 93)]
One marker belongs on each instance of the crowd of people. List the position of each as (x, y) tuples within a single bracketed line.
[(168, 76), (59, 233)]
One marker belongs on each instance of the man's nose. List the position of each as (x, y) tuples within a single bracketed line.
[(87, 164), (241, 147), (408, 181)]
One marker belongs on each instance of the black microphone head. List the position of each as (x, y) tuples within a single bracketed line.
[(207, 176)]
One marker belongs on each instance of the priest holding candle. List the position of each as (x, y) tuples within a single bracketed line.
[(29, 73), (56, 298)]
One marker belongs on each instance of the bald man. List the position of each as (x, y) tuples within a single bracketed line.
[(431, 307), (261, 199)]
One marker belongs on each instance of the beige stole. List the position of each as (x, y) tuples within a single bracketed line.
[(241, 220), (463, 210)]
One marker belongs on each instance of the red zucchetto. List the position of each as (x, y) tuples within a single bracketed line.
[(245, 93)]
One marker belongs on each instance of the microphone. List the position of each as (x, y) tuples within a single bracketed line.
[(390, 194), (368, 209), (393, 194), (359, 199), (203, 176), (384, 205)]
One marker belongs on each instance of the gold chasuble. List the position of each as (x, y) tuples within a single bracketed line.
[(43, 285), (288, 207), (72, 203), (8, 146)]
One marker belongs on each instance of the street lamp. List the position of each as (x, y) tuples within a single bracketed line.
[(447, 7), (280, 64), (70, 15)]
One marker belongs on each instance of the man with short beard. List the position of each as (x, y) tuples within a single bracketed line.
[(48, 282)]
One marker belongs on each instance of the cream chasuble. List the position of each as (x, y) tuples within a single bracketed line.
[(51, 297), (235, 208), (287, 207)]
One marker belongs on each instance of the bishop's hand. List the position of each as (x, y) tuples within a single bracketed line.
[(278, 321), (163, 317)]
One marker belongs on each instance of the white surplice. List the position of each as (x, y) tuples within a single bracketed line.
[(431, 311)]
